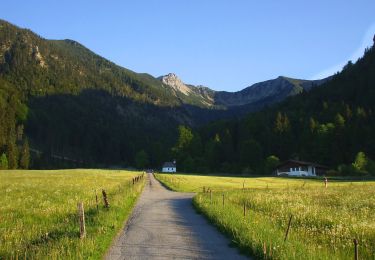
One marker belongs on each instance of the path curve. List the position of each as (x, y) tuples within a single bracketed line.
[(164, 225)]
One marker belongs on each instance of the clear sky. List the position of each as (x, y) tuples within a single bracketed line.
[(223, 44)]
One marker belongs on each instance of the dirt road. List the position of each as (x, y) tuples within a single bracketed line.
[(164, 225)]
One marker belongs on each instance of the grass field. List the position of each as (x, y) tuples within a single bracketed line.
[(325, 220), (38, 212)]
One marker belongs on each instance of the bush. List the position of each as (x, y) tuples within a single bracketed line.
[(3, 162), (270, 164), (360, 162)]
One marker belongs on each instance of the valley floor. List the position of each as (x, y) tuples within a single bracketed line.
[(255, 213)]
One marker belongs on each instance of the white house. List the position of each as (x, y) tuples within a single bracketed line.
[(169, 167), (299, 168)]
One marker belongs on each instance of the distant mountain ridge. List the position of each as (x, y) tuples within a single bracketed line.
[(269, 91), (273, 90)]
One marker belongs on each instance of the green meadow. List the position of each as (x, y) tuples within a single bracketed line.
[(255, 213), (38, 213)]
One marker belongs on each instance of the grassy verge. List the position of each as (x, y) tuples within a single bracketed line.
[(38, 213), (325, 220)]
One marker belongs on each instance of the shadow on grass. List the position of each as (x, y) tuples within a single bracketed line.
[(68, 229), (244, 250)]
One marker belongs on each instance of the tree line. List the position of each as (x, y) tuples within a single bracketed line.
[(14, 146)]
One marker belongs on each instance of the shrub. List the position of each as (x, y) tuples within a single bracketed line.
[(3, 162)]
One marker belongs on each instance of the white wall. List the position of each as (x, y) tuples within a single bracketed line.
[(169, 169), (297, 171), (312, 171)]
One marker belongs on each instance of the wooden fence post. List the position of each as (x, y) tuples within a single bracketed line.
[(223, 199), (81, 217), (287, 230), (244, 209), (96, 200), (210, 196), (105, 199), (355, 241), (270, 251), (204, 189), (265, 250)]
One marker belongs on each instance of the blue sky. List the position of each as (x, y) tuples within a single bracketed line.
[(226, 45)]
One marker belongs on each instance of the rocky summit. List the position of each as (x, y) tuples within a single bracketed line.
[(173, 81)]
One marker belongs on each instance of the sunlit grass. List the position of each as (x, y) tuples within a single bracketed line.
[(325, 220), (38, 213)]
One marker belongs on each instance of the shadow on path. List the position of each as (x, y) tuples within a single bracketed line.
[(164, 225)]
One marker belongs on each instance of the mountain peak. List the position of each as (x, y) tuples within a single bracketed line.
[(169, 78), (176, 83), (171, 75)]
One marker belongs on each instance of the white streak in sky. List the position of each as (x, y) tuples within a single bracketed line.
[(366, 42)]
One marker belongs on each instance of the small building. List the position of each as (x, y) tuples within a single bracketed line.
[(169, 167), (300, 168)]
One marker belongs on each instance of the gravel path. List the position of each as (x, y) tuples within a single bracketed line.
[(164, 225)]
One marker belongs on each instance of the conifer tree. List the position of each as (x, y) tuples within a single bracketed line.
[(12, 151), (25, 155)]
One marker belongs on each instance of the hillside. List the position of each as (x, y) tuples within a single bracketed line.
[(331, 124), (62, 99), (64, 66)]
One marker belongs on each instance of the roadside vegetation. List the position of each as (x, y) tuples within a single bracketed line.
[(38, 213), (256, 213)]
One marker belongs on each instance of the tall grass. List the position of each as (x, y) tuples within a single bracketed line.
[(38, 213), (324, 223)]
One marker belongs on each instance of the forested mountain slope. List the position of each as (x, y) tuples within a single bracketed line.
[(64, 101), (332, 124)]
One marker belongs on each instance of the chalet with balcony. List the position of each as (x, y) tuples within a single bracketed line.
[(300, 168)]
